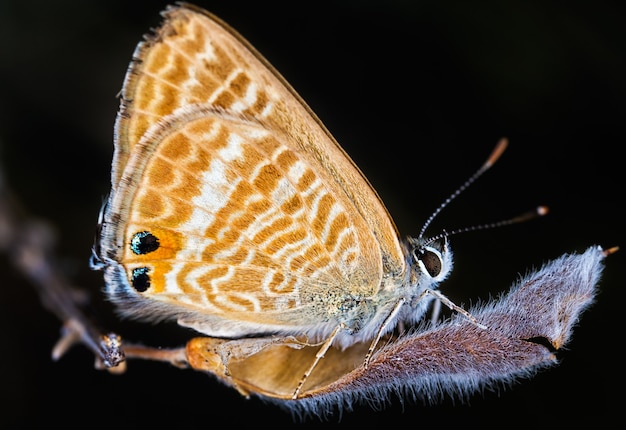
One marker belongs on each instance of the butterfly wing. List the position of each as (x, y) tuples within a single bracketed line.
[(231, 203)]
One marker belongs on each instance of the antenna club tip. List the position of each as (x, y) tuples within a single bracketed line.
[(542, 210), (497, 152)]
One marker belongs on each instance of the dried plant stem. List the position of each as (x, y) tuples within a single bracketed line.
[(29, 244)]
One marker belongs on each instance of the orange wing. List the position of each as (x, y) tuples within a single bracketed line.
[(229, 196)]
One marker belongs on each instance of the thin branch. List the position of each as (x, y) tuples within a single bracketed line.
[(29, 244)]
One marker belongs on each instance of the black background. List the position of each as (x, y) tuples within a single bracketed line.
[(417, 93)]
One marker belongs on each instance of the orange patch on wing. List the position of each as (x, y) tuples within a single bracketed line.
[(239, 85), (338, 225), (159, 174), (149, 204), (176, 147), (268, 231), (324, 206), (306, 180), (267, 179)]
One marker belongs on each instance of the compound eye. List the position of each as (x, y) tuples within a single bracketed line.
[(431, 260)]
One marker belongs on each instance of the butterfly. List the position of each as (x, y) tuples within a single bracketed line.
[(234, 212)]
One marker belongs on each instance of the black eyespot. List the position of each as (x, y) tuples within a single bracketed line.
[(431, 260), (140, 279), (144, 242)]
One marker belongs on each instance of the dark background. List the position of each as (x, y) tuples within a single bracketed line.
[(417, 93)]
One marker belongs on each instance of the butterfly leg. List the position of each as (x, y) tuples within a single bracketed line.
[(320, 354), (434, 316), (381, 330), (440, 299), (446, 301)]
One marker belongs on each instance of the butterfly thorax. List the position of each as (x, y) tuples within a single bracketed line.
[(427, 264)]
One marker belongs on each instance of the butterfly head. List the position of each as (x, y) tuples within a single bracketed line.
[(430, 259)]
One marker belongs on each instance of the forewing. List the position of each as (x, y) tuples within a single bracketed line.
[(194, 58)]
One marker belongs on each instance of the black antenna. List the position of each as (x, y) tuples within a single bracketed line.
[(537, 212), (495, 154)]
